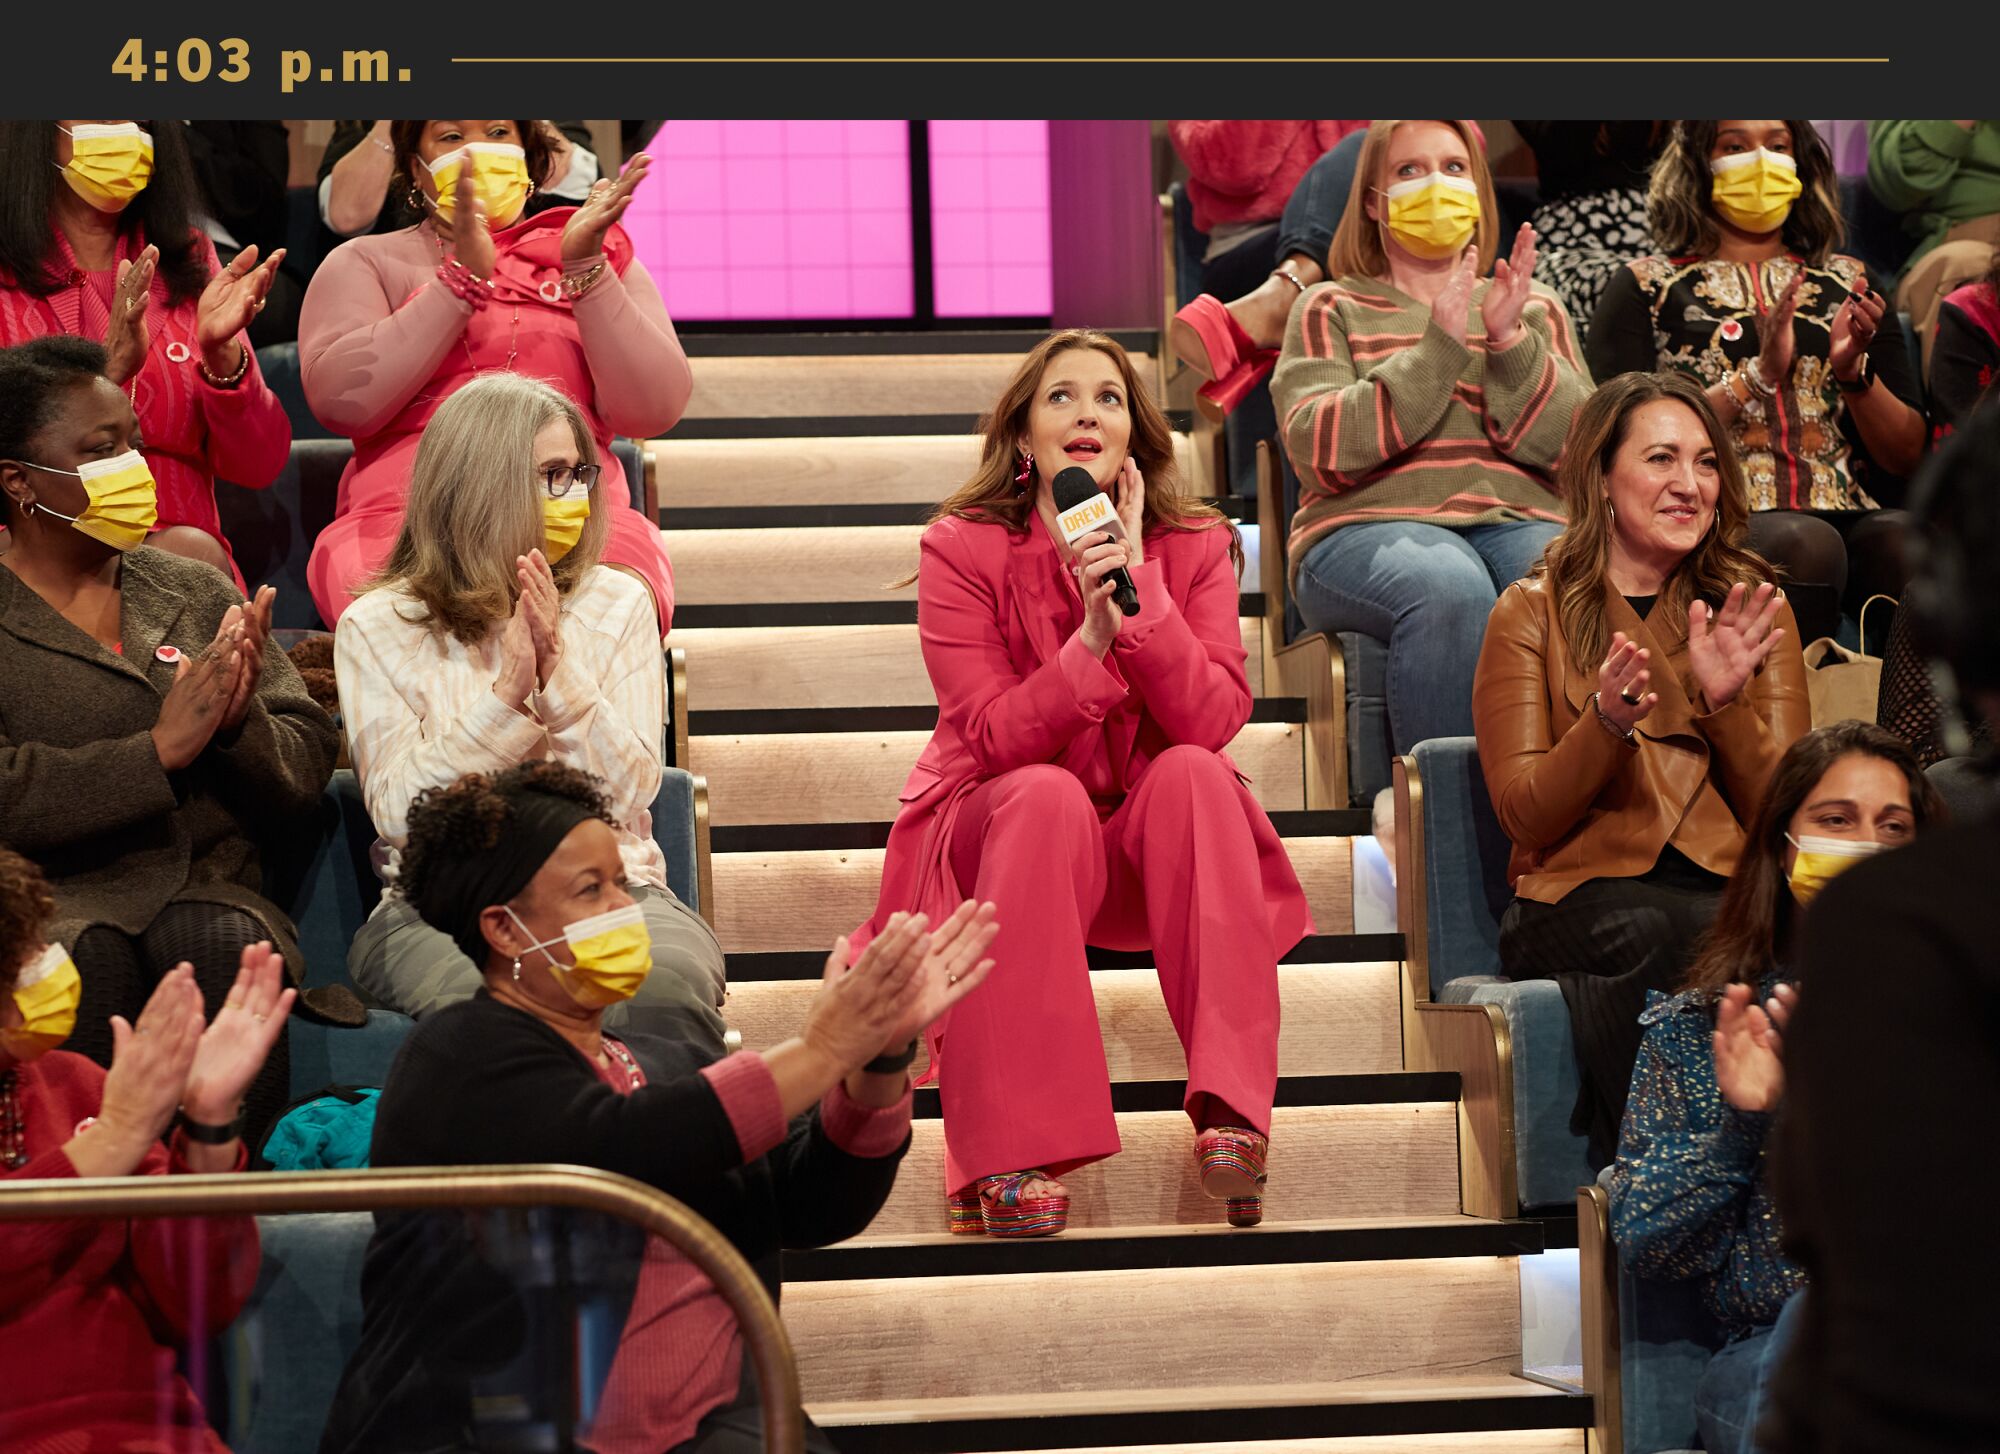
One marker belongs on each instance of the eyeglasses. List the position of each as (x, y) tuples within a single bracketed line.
[(560, 479)]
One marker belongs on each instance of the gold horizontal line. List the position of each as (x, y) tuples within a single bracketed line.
[(1169, 60)]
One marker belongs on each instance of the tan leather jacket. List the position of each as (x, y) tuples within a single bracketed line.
[(1580, 804)]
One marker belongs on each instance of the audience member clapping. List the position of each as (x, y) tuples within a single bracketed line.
[(92, 1311), (1799, 352), (395, 323), (100, 238), (494, 636), (1690, 1196), (158, 746), (359, 175), (1424, 408), (1632, 699), (796, 1146)]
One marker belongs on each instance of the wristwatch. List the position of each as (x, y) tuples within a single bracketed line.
[(894, 1061), (206, 1134), (1863, 380)]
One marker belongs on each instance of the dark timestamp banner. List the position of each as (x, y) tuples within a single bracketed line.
[(938, 60)]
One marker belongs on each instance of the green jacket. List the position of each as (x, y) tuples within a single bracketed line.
[(1936, 173)]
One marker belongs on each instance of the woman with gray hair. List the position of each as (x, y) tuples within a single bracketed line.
[(492, 636)]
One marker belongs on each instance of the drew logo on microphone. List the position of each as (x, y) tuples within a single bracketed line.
[(1083, 517)]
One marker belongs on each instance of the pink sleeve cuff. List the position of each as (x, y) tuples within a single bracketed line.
[(749, 1095), (864, 1130), (1093, 682), (1156, 604)]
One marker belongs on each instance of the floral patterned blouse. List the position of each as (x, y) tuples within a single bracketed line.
[(1689, 1198), (1800, 450)]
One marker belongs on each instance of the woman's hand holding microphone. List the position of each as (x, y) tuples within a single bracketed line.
[(1097, 555)]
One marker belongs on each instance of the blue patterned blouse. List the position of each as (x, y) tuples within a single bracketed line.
[(1688, 1191)]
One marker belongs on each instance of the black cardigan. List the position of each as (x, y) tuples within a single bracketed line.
[(477, 1083)]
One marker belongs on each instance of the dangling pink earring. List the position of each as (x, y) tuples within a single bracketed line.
[(1026, 472)]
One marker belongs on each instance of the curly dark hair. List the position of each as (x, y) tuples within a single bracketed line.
[(164, 212), (470, 816), (26, 907), (34, 376)]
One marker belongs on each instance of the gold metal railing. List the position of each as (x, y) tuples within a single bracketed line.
[(453, 1189)]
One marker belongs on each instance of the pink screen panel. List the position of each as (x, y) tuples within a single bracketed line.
[(990, 218)]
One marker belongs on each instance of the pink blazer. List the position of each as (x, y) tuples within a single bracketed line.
[(1016, 687)]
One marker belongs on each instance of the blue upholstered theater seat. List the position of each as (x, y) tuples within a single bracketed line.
[(1465, 868), (285, 1353)]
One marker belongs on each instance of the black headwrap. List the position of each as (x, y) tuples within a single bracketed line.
[(457, 891)]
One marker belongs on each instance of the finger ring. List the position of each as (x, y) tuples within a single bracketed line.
[(951, 979), (260, 1019), (1625, 696)]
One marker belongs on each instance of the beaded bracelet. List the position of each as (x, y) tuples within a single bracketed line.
[(465, 283), (242, 368)]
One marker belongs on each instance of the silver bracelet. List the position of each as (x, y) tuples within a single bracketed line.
[(1289, 276), (1625, 735)]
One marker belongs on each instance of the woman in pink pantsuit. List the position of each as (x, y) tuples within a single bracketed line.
[(1077, 779), (394, 323)]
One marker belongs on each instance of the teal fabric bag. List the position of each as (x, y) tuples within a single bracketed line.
[(329, 1131)]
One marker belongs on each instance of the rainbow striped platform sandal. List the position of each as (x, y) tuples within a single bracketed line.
[(995, 1207), (1233, 1164)]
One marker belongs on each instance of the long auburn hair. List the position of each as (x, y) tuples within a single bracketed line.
[(1357, 250), (475, 503), (1578, 561), (1752, 927), (991, 496), (1680, 206)]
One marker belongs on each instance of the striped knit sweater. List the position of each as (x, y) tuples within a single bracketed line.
[(1385, 417)]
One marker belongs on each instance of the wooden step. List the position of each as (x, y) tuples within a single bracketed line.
[(1334, 1020), (834, 563), (879, 1340), (766, 901), (841, 777), (740, 668), (1326, 1162), (1527, 1441), (825, 386), (861, 470)]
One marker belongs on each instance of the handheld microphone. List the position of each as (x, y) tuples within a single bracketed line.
[(1081, 509)]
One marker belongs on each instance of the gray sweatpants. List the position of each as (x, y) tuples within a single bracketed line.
[(409, 966)]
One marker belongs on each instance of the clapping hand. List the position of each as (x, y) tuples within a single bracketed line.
[(952, 969), (583, 234), (1508, 293), (1726, 647), (1854, 326), (149, 1070), (541, 603), (1621, 684), (1775, 345), (1451, 309), (194, 707), (471, 244), (233, 1048), (1749, 1047), (127, 338), (517, 659), (248, 627), (233, 297)]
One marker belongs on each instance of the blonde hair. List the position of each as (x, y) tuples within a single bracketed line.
[(992, 495), (1578, 561), (1357, 250), (475, 505)]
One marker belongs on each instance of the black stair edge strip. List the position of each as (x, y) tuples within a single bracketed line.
[(754, 615), (848, 425), (831, 515), (1558, 1226), (775, 964), (818, 837), (831, 344), (780, 721), (1218, 1426), (1379, 1088), (981, 1256)]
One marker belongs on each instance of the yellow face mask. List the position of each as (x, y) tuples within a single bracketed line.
[(1822, 859), (1754, 190), (613, 954), (124, 502), (499, 180), (109, 165), (562, 522), (48, 992), (1434, 216)]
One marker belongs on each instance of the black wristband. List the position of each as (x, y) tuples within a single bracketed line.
[(894, 1061), (206, 1134)]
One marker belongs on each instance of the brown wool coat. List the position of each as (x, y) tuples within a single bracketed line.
[(82, 792)]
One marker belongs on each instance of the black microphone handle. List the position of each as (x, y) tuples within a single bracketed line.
[(1125, 595)]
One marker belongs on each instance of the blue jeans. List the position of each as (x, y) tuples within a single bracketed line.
[(1426, 590), (1317, 202), (1730, 1398)]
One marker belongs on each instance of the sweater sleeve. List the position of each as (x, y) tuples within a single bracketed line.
[(1965, 360), (364, 354), (1233, 157), (1006, 720), (1339, 425), (638, 371), (52, 796), (608, 722), (195, 1272), (246, 437), (1679, 1185), (837, 1167), (278, 760), (1909, 162), (1541, 784), (1621, 330), (1534, 386), (1186, 659), (35, 1255)]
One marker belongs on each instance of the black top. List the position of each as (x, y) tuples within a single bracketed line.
[(1577, 158), (1642, 605), (1880, 1161), (447, 1314)]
